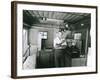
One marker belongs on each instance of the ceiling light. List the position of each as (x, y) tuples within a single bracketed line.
[(66, 25), (82, 24)]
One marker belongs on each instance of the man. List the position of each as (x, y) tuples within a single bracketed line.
[(68, 53), (60, 44), (60, 40)]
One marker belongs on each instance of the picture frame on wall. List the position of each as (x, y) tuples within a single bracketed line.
[(50, 39)]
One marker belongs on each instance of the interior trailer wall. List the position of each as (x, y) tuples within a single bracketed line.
[(30, 62), (49, 40), (84, 27)]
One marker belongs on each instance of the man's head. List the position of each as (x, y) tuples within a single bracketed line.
[(74, 42), (61, 29), (69, 42)]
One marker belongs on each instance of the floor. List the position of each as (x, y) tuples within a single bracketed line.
[(45, 59), (30, 62)]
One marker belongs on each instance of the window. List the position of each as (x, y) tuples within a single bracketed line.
[(43, 35)]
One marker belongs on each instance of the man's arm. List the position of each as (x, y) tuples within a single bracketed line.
[(64, 40)]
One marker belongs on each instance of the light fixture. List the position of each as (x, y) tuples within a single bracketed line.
[(66, 25), (44, 18), (82, 24)]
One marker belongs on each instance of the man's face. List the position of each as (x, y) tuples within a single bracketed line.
[(69, 43), (74, 42)]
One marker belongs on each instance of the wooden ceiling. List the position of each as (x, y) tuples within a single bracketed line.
[(64, 16)]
